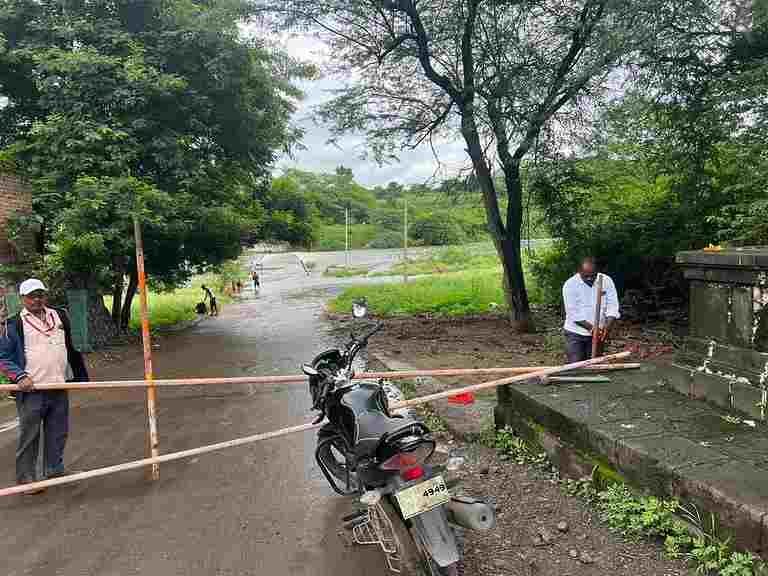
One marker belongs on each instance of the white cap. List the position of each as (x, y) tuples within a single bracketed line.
[(31, 285)]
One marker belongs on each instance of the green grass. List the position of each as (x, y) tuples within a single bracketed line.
[(172, 308), (330, 237), (451, 259), (454, 294), (342, 272), (460, 280)]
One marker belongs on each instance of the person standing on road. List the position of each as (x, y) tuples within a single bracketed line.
[(35, 348), (580, 300), (208, 295), (256, 281)]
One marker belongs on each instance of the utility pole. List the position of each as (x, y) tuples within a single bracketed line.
[(346, 236), (405, 239)]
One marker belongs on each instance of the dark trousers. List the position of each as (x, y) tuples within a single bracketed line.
[(577, 347), (47, 411)]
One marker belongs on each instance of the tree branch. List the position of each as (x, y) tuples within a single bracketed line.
[(422, 40), (551, 102)]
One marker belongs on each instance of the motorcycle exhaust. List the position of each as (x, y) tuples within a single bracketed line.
[(470, 513)]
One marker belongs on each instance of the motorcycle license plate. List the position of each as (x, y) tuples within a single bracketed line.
[(423, 497)]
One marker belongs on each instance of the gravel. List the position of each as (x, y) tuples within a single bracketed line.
[(541, 530)]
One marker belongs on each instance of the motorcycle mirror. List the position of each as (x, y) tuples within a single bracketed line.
[(309, 370), (359, 309)]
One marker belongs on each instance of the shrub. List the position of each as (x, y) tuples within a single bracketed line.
[(386, 239), (438, 229)]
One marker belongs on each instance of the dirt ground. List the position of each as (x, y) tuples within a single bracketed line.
[(542, 531), (530, 505), (483, 341)]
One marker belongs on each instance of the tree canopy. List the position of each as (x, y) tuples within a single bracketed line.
[(156, 107), (510, 77)]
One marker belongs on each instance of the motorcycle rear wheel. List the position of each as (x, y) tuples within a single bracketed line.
[(413, 560)]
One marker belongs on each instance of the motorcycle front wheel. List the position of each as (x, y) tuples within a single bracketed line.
[(413, 561)]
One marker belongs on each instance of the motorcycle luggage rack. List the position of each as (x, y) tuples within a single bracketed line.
[(375, 529)]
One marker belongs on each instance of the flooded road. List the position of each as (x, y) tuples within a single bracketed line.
[(260, 509)]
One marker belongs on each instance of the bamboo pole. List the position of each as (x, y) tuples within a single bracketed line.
[(154, 461), (598, 317), (301, 378), (145, 338), (538, 374)]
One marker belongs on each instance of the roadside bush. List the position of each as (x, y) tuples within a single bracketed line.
[(438, 229), (387, 239), (633, 227)]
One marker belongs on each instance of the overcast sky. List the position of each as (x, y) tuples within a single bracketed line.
[(416, 166)]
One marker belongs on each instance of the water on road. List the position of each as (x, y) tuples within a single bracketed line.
[(260, 509)]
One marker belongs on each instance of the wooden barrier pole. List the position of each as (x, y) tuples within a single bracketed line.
[(301, 378), (145, 338), (598, 317), (511, 380), (153, 461)]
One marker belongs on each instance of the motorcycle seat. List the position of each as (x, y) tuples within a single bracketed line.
[(372, 426), (367, 403)]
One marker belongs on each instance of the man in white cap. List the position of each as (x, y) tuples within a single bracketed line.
[(37, 348)]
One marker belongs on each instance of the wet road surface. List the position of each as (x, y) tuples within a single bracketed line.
[(260, 509)]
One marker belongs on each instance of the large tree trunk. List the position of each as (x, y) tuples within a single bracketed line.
[(511, 248), (117, 299), (130, 292), (506, 239)]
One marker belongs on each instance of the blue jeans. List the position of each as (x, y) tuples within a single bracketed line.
[(46, 410)]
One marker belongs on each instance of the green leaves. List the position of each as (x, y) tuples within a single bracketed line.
[(159, 109)]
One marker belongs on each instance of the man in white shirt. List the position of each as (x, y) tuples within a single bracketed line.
[(580, 299)]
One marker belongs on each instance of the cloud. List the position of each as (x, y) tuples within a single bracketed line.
[(415, 166)]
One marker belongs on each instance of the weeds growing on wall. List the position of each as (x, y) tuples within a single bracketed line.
[(683, 531)]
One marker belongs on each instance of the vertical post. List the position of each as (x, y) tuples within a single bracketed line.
[(148, 374), (405, 239), (346, 236), (598, 317)]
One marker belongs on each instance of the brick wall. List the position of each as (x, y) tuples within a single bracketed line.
[(14, 197)]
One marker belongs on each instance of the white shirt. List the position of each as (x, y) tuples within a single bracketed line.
[(580, 300), (44, 347)]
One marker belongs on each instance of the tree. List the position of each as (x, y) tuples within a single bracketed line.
[(676, 163), (109, 100), (507, 76)]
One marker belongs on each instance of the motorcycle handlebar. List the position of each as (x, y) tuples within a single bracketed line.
[(358, 344)]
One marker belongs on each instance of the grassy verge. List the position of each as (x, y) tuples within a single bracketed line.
[(342, 272), (332, 237), (461, 280), (450, 294), (171, 308), (452, 259)]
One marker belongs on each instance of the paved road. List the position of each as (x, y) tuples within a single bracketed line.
[(262, 509)]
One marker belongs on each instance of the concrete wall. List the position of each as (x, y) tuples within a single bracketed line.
[(15, 196)]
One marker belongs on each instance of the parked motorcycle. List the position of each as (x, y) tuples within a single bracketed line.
[(365, 450)]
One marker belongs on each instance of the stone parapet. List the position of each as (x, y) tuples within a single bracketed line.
[(726, 352)]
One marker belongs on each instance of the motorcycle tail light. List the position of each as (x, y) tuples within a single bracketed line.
[(412, 473), (404, 461)]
